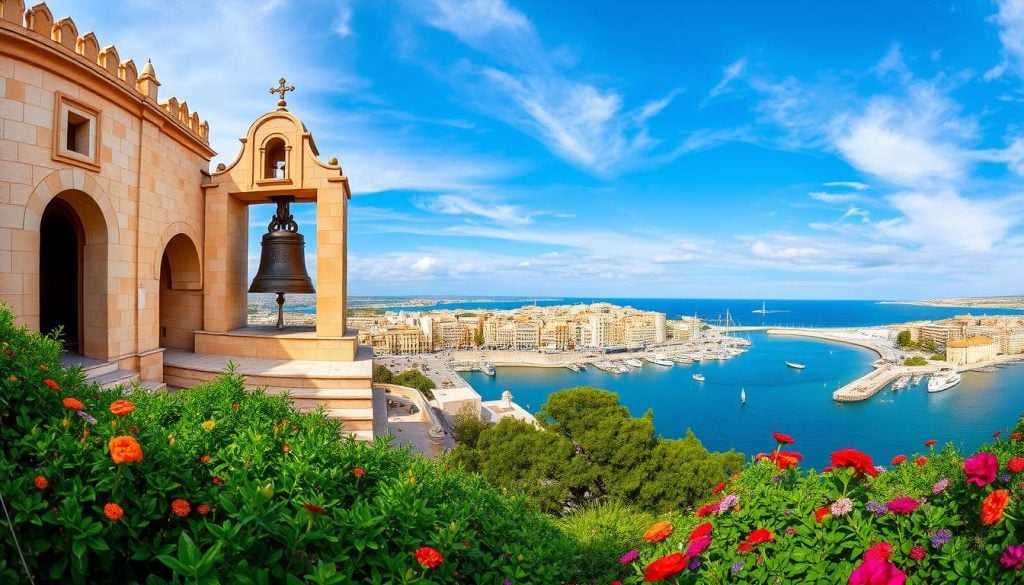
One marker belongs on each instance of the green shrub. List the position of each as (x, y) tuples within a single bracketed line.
[(605, 532), (416, 379), (382, 375), (235, 487), (917, 360)]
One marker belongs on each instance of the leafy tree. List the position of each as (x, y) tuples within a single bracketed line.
[(382, 375), (418, 380), (590, 449), (478, 337), (903, 339), (916, 361), (467, 425)]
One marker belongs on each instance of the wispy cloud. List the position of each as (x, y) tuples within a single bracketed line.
[(342, 24), (856, 185), (948, 220), (1010, 19), (833, 197), (467, 206), (729, 73)]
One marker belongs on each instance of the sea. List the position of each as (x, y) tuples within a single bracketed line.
[(779, 398)]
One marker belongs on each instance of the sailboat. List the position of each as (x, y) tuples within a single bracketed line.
[(743, 396), (763, 310)]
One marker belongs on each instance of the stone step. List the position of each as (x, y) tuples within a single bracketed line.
[(114, 379), (363, 436), (101, 369), (152, 385), (340, 402)]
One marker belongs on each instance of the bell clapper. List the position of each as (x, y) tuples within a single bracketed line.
[(280, 310)]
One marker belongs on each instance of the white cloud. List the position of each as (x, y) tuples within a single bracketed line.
[(995, 72), (474, 21), (1011, 22), (792, 253), (833, 197), (856, 185), (342, 24), (464, 205), (424, 264), (854, 211), (948, 220), (729, 73)]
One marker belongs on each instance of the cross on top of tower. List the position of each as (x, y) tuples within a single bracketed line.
[(281, 89)]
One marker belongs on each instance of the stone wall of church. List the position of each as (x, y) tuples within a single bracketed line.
[(85, 127)]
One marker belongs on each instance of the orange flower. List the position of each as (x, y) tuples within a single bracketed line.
[(41, 483), (204, 458), (993, 506), (113, 511), (286, 448), (125, 449), (180, 508), (658, 531), (358, 472), (428, 557), (121, 407), (73, 404), (203, 509), (53, 385)]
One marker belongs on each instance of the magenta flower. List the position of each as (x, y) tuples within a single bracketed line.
[(698, 546), (877, 572), (981, 469), (1013, 557), (629, 557), (903, 505)]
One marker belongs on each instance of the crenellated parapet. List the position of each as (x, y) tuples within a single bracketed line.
[(63, 36)]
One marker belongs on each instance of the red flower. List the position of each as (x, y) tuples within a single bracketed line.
[(41, 483), (180, 508), (665, 567), (880, 551), (358, 472), (981, 468), (52, 384), (718, 487), (785, 459), (203, 509), (73, 404), (113, 512), (997, 434), (707, 509), (1015, 464), (860, 462), (920, 461), (316, 509), (783, 439), (658, 531), (930, 443), (217, 480), (760, 535), (702, 530), (993, 506), (899, 459), (745, 547), (428, 557), (821, 512), (902, 505), (204, 458), (1017, 436), (917, 553)]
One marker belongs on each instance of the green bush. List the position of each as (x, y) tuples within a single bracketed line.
[(235, 487), (917, 360), (382, 375), (416, 379)]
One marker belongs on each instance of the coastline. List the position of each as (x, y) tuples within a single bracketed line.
[(1011, 303)]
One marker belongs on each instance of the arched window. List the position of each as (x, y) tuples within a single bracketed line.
[(274, 156)]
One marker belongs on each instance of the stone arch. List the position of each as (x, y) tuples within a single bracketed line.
[(76, 180), (275, 152), (178, 242), (181, 297)]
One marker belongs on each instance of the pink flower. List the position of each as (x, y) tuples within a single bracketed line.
[(698, 546), (903, 505), (918, 552), (981, 469), (877, 572), (1013, 557), (629, 557)]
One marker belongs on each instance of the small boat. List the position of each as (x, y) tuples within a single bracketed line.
[(634, 363), (944, 379), (743, 396), (762, 311), (698, 377), (900, 384), (487, 368), (916, 380), (795, 365), (660, 360), (573, 367)]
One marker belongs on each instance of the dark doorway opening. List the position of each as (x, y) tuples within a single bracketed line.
[(61, 239)]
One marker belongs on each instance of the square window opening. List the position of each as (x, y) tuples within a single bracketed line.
[(78, 133)]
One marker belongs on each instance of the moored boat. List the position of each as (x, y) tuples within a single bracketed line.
[(698, 377), (943, 380), (633, 363), (487, 368), (901, 383), (795, 365)]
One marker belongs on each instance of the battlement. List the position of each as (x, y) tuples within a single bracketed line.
[(63, 36)]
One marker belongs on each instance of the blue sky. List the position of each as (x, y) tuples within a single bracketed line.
[(661, 149)]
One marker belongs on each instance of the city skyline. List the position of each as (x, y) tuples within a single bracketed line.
[(580, 149)]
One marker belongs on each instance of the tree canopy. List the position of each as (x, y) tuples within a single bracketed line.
[(589, 448)]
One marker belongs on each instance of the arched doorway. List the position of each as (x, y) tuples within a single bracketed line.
[(61, 243), (181, 297)]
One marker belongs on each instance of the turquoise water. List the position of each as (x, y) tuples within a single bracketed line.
[(795, 402)]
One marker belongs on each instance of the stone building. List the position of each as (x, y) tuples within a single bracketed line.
[(972, 350), (113, 228)]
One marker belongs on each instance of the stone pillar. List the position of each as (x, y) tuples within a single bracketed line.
[(331, 262), (226, 263)]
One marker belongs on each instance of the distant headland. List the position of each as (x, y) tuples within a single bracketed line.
[(1007, 302)]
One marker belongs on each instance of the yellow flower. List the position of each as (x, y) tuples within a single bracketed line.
[(12, 378), (209, 425), (171, 441), (412, 479), (66, 423)]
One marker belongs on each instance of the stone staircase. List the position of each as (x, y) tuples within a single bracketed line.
[(344, 389), (106, 374)]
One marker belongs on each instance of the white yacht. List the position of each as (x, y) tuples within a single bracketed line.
[(795, 365), (487, 368), (900, 384), (944, 379), (698, 377), (661, 360), (634, 363), (916, 380), (573, 367)]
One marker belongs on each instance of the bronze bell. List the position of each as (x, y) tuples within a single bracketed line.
[(282, 259)]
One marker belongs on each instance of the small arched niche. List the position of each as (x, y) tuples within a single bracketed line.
[(275, 156)]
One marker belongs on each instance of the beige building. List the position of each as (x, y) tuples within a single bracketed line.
[(972, 350), (113, 227)]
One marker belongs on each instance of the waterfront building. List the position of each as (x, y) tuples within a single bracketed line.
[(972, 350), (114, 228), (404, 340), (940, 333)]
